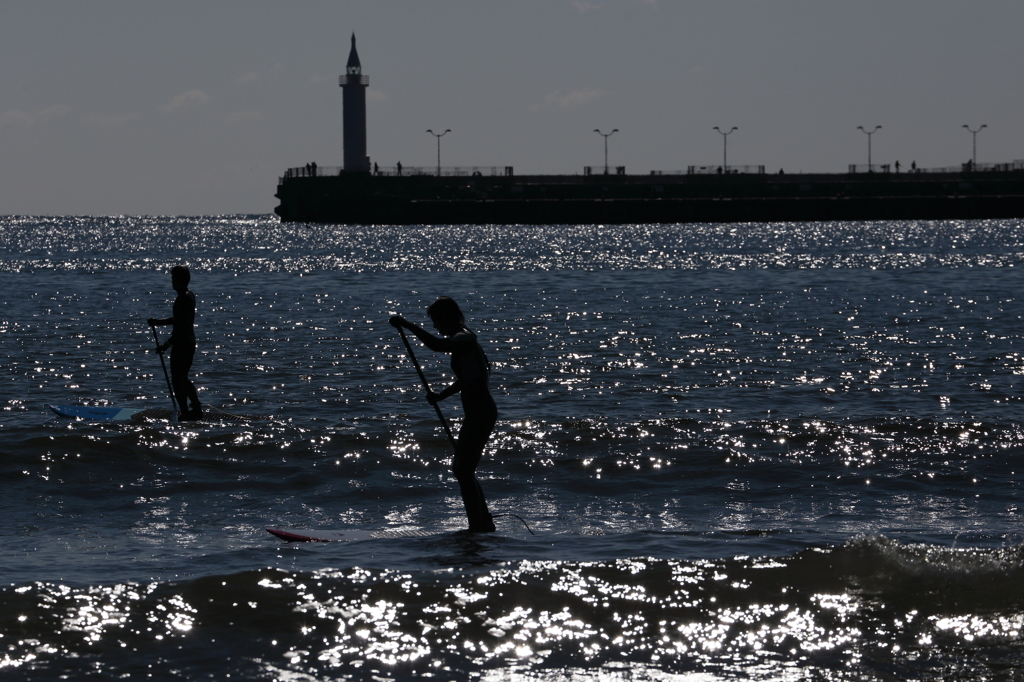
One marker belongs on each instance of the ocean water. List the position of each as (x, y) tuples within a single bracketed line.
[(757, 452)]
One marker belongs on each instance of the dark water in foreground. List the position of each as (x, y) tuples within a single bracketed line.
[(769, 452)]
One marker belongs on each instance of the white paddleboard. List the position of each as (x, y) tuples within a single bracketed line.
[(106, 414), (118, 414)]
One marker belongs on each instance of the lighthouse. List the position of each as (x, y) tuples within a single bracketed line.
[(353, 99)]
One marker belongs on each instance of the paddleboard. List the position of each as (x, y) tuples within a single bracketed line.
[(118, 414), (348, 535)]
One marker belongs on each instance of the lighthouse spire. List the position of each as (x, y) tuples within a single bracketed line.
[(353, 67)]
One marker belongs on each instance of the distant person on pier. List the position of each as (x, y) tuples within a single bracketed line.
[(183, 341), (472, 373), (399, 166)]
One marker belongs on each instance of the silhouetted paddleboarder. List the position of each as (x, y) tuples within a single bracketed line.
[(472, 373), (183, 341)]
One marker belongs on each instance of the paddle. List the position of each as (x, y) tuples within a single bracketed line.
[(415, 362), (174, 402)]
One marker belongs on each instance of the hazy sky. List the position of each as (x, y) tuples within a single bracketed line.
[(196, 107)]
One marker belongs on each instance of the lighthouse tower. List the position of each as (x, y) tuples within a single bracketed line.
[(353, 90)]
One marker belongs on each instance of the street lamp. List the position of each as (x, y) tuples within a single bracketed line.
[(439, 136), (606, 136), (974, 144), (869, 134), (725, 146)]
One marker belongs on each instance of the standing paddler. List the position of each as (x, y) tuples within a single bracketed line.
[(472, 373), (183, 343)]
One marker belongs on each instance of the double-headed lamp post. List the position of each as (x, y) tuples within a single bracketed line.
[(606, 136), (974, 144), (725, 146), (439, 136), (869, 134)]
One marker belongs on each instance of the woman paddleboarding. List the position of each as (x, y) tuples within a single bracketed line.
[(472, 373)]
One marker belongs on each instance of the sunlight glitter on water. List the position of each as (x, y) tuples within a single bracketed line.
[(721, 617), (227, 244), (599, 611)]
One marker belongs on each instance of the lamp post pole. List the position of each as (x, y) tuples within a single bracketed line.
[(439, 136), (974, 144), (869, 134), (606, 136), (725, 147)]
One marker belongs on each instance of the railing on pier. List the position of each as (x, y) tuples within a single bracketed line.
[(873, 168), (447, 171), (715, 170), (962, 168), (978, 168), (470, 171), (309, 171), (601, 170)]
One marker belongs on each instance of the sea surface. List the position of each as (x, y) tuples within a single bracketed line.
[(725, 452)]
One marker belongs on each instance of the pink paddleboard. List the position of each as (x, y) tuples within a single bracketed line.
[(348, 535)]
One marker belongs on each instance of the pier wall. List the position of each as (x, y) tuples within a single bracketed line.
[(360, 198)]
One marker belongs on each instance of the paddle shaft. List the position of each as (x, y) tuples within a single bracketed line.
[(174, 400), (415, 362)]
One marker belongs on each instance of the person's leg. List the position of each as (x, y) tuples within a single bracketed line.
[(196, 411), (184, 389), (472, 494), (193, 396), (179, 380), (468, 451)]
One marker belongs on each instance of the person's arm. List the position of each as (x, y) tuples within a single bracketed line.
[(434, 343), (439, 344), (161, 322), (434, 398), (459, 342)]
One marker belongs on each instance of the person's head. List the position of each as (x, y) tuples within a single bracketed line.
[(180, 277), (446, 316)]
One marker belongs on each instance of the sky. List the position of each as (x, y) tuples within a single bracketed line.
[(196, 107)]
